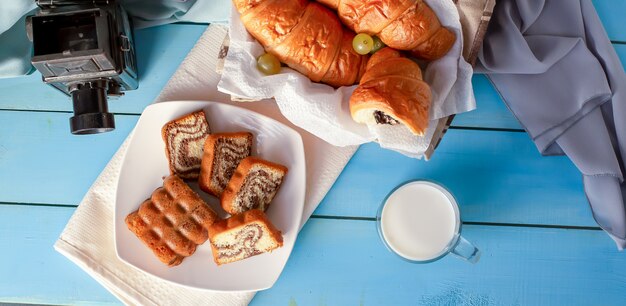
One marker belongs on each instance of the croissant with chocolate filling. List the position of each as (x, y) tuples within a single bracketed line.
[(409, 25), (306, 36), (392, 91)]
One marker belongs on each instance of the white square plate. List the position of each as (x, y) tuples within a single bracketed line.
[(145, 164)]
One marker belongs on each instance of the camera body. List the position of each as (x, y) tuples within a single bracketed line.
[(85, 49)]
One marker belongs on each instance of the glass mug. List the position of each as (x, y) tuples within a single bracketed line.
[(420, 222)]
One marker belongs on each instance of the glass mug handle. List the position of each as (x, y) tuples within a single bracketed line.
[(466, 250)]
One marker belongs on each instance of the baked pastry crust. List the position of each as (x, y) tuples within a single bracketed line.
[(306, 36), (237, 223), (184, 139), (409, 25), (392, 91), (239, 184), (172, 222)]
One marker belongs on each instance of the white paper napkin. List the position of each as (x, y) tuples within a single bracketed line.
[(323, 110), (88, 237)]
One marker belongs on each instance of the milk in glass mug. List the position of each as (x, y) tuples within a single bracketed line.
[(420, 222)]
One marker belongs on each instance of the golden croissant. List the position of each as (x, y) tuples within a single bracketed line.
[(305, 36), (391, 92), (409, 25)]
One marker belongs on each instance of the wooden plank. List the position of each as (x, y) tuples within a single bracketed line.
[(497, 176), (159, 52), (32, 271), (42, 162), (342, 262), (491, 112), (611, 13)]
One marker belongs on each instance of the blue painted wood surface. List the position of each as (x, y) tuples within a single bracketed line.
[(527, 213), (497, 176), (32, 271), (612, 13), (63, 165), (342, 262), (490, 111)]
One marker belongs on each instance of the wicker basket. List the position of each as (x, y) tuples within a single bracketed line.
[(475, 16)]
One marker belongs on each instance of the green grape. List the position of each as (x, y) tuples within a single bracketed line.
[(378, 44), (268, 64), (362, 43)]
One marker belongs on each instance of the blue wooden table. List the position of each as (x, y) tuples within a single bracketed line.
[(527, 213)]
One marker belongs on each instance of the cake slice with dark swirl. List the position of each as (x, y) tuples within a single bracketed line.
[(184, 142), (242, 236), (222, 154), (253, 185)]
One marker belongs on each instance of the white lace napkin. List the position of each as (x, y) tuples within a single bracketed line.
[(323, 110), (88, 237)]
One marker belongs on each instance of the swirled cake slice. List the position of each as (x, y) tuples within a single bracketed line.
[(253, 185), (222, 154), (172, 222), (184, 142), (242, 236)]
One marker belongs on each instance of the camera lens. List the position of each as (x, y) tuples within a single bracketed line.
[(91, 114)]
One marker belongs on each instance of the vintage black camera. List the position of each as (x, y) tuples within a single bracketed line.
[(85, 49)]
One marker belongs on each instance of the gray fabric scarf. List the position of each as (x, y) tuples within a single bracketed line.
[(554, 66)]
